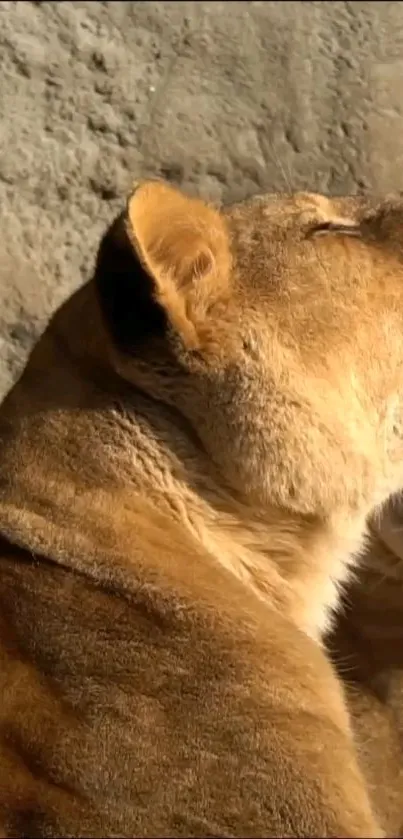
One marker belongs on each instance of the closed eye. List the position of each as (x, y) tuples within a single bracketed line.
[(334, 228)]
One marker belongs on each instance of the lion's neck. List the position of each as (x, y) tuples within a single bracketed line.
[(295, 564), (132, 447)]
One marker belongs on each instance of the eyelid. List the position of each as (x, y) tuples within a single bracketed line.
[(334, 227)]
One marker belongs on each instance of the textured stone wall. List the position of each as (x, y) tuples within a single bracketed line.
[(226, 98)]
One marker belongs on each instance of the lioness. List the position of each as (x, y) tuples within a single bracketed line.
[(186, 468)]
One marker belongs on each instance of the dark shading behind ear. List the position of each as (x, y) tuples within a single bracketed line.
[(125, 292)]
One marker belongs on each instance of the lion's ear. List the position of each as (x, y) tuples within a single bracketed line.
[(182, 244), (162, 264)]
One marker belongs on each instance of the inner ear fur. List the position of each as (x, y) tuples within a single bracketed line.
[(177, 235)]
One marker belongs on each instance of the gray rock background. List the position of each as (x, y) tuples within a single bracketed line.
[(228, 98)]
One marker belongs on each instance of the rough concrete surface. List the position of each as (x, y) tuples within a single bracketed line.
[(227, 98)]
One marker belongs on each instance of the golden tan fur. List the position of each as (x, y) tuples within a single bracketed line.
[(186, 468)]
